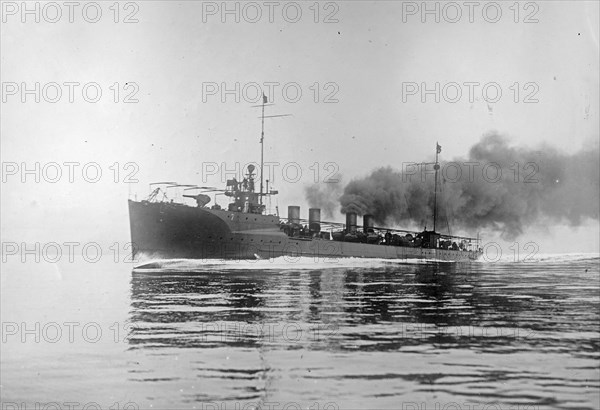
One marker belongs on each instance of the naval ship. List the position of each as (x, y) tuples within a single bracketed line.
[(162, 228)]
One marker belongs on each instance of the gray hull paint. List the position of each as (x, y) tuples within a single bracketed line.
[(171, 230)]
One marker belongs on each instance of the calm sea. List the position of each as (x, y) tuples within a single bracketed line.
[(302, 335)]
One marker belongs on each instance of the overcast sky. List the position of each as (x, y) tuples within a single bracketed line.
[(364, 64)]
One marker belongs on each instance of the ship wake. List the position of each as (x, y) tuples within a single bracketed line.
[(282, 262)]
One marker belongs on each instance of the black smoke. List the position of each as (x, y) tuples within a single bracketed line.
[(521, 187)]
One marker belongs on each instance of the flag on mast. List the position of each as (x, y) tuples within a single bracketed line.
[(439, 147), (265, 100)]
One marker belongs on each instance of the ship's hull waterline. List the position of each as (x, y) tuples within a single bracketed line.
[(169, 230)]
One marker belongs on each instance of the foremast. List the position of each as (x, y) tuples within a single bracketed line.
[(265, 102)]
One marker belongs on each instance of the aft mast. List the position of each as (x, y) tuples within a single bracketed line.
[(262, 147), (438, 149)]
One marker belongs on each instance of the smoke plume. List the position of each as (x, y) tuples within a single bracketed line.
[(498, 186), (325, 196)]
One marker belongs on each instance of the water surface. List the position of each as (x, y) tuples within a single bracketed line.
[(352, 335)]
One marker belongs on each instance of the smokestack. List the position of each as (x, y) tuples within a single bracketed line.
[(350, 222), (314, 220), (294, 214), (367, 223)]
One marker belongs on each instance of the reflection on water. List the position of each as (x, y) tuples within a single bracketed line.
[(368, 337)]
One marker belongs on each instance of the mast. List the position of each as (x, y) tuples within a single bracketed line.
[(262, 147), (438, 149), (262, 139)]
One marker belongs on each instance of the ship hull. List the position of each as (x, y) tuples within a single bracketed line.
[(172, 231)]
